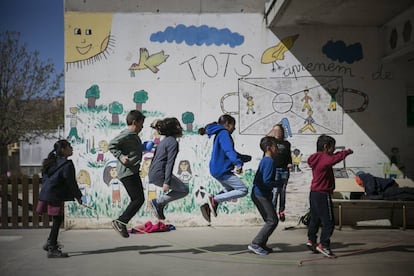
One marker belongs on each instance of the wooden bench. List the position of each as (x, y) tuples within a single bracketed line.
[(348, 211)]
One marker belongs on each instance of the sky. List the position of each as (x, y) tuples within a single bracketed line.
[(40, 23)]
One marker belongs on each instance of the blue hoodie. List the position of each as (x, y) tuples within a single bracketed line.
[(223, 157)]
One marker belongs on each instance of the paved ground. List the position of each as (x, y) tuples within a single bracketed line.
[(206, 251)]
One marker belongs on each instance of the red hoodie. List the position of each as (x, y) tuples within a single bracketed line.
[(321, 163)]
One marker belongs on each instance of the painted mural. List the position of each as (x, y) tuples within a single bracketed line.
[(195, 68)]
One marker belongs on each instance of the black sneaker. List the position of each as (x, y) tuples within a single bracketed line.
[(311, 246), (213, 205), (55, 252), (47, 244), (120, 228), (325, 251), (206, 212), (159, 210)]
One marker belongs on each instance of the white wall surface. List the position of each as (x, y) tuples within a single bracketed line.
[(199, 79)]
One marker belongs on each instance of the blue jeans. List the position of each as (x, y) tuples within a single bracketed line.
[(233, 188), (281, 177)]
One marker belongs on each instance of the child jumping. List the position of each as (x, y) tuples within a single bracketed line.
[(282, 163), (58, 185), (162, 164), (264, 182), (225, 161), (127, 148), (322, 187)]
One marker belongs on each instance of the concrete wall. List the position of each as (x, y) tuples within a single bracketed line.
[(204, 65)]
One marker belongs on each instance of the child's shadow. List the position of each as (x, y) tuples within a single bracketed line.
[(115, 249)]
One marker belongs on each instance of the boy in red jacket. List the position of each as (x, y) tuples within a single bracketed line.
[(322, 187)]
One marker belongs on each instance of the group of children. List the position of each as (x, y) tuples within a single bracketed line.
[(269, 186)]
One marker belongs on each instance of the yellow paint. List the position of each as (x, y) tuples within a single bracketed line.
[(87, 35)]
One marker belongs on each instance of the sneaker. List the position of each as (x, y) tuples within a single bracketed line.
[(120, 228), (325, 251), (213, 205), (268, 249), (206, 212), (257, 249), (55, 252), (47, 244), (311, 246), (159, 210), (282, 216)]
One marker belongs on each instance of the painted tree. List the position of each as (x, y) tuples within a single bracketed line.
[(31, 98), (115, 108), (140, 97), (92, 94), (188, 119)]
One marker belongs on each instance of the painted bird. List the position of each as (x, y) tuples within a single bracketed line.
[(147, 61), (277, 52)]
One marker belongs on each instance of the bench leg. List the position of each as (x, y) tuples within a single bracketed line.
[(340, 216)]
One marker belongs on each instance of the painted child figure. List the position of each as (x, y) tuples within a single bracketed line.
[(320, 198), (263, 184)]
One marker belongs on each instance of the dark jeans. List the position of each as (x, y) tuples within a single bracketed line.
[(133, 186), (281, 177), (321, 215), (268, 213)]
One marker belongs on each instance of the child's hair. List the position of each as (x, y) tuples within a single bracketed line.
[(324, 140), (222, 120), (57, 151), (169, 127), (134, 115), (283, 130), (267, 141)]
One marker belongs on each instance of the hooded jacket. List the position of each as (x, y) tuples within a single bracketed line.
[(321, 163), (59, 182), (223, 157)]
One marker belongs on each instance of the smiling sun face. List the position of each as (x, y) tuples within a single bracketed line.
[(87, 37)]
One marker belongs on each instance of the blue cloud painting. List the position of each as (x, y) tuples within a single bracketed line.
[(339, 51), (201, 35)]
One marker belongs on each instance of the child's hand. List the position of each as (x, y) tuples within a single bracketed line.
[(238, 170), (124, 159), (165, 188)]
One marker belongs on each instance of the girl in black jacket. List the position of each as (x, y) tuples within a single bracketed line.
[(58, 185)]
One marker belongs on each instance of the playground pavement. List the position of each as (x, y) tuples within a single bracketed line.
[(207, 251)]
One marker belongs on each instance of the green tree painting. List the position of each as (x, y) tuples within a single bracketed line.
[(115, 108), (92, 94), (188, 119), (140, 97)]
